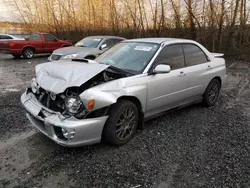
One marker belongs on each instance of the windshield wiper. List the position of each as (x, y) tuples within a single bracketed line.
[(125, 71)]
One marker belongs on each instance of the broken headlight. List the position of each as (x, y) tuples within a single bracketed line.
[(34, 86), (74, 105)]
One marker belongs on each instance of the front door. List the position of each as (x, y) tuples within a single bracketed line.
[(50, 43), (169, 89)]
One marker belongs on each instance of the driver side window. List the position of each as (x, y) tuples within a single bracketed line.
[(49, 38), (109, 43), (171, 55)]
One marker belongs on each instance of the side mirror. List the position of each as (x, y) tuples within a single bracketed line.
[(161, 69), (103, 46), (26, 38)]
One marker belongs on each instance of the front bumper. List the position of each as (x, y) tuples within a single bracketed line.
[(86, 131)]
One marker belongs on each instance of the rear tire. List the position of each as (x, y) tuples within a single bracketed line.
[(212, 93), (122, 123), (28, 53)]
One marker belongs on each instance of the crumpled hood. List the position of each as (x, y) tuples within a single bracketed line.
[(58, 76), (75, 50)]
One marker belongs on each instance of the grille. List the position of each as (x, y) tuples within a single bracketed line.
[(54, 103), (56, 57)]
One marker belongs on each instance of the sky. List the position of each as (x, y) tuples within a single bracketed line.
[(5, 13)]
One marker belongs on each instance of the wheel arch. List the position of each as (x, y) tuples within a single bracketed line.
[(137, 102), (29, 47), (217, 78)]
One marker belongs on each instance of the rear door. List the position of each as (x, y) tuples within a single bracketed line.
[(198, 70), (169, 89)]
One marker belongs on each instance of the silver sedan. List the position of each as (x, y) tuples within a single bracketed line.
[(89, 48), (84, 102)]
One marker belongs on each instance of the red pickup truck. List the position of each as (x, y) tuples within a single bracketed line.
[(37, 43)]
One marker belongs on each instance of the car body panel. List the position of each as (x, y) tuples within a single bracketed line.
[(90, 129), (108, 93), (55, 77)]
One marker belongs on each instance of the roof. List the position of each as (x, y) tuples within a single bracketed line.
[(158, 40), (105, 36)]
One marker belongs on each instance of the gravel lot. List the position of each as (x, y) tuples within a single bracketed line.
[(191, 147)]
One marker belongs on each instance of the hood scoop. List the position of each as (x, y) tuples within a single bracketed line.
[(57, 76)]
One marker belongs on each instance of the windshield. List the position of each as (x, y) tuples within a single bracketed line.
[(89, 42), (129, 56)]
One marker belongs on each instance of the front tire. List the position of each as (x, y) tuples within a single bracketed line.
[(122, 123), (212, 93), (28, 53)]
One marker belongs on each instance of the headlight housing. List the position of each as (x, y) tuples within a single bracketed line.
[(74, 105), (34, 86), (70, 56)]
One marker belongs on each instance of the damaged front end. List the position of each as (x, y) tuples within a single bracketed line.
[(69, 103), (57, 104)]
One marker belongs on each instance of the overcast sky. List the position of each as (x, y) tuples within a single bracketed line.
[(5, 13)]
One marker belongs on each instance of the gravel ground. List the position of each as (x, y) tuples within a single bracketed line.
[(191, 147)]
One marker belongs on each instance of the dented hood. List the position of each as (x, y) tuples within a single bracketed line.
[(58, 76)]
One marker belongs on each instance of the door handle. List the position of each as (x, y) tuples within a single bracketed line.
[(182, 74), (209, 67)]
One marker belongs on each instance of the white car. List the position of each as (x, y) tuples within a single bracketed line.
[(82, 102), (9, 37)]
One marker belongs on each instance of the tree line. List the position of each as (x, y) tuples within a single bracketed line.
[(218, 24)]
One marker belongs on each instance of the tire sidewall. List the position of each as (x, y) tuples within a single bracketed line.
[(110, 126), (206, 100), (25, 53)]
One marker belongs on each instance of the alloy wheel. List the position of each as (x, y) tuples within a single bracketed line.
[(29, 53), (125, 124), (213, 93)]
